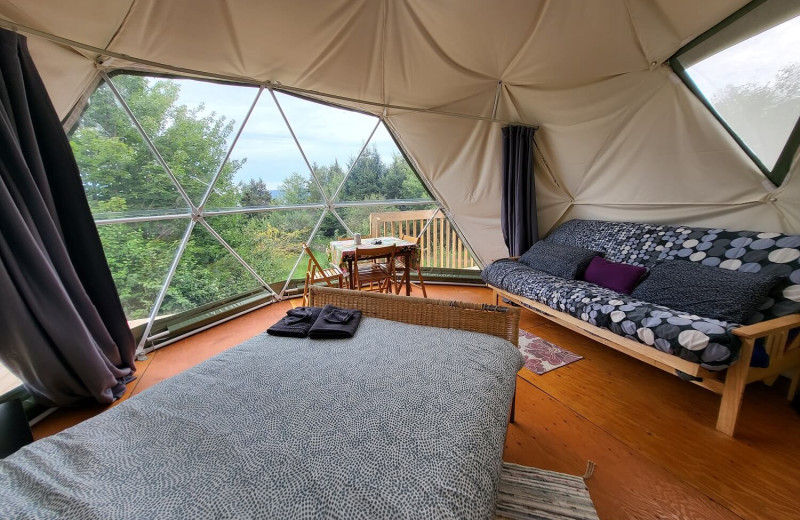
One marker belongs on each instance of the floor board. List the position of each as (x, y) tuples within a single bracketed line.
[(625, 485), (651, 435), (671, 423)]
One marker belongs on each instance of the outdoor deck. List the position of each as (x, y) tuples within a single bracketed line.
[(651, 435)]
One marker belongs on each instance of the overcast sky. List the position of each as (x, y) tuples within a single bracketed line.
[(326, 134), (329, 134), (756, 60)]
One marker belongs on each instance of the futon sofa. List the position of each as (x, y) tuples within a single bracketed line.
[(710, 352)]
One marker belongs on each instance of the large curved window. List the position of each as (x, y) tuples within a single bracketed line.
[(204, 192)]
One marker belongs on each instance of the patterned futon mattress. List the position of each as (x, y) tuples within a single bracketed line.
[(401, 421), (706, 341)]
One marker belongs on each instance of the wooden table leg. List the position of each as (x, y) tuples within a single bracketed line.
[(351, 283), (406, 278), (407, 274)]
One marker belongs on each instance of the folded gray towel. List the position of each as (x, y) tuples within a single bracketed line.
[(296, 323), (335, 323)]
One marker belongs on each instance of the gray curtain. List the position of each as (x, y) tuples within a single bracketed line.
[(64, 332), (518, 202)]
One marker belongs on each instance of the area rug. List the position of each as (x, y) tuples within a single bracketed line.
[(541, 356), (525, 493)]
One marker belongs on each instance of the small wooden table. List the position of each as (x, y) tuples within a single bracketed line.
[(344, 252)]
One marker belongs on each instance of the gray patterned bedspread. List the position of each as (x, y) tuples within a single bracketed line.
[(401, 421)]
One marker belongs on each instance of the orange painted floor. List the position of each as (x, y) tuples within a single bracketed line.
[(651, 435)]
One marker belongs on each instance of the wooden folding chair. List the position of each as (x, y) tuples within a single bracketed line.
[(367, 274), (400, 263), (332, 276)]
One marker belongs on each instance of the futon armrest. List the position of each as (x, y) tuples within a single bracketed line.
[(766, 328)]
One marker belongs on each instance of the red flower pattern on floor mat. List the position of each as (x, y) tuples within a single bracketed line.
[(541, 356)]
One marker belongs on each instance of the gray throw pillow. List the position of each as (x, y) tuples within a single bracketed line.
[(709, 292), (558, 259)]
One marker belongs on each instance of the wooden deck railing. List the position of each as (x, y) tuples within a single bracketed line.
[(440, 245)]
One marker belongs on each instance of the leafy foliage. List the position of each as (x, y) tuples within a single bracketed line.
[(255, 193)]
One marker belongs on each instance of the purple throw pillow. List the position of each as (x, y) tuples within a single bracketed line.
[(611, 275)]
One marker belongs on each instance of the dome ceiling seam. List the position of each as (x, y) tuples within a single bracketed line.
[(639, 40), (518, 55), (440, 52), (121, 25), (548, 170)]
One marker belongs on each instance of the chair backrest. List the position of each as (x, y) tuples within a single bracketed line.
[(376, 252), (313, 264), (414, 259)]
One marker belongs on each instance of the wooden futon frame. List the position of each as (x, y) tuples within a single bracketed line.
[(784, 355)]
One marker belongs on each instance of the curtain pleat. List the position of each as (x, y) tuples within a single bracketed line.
[(518, 203), (65, 332)]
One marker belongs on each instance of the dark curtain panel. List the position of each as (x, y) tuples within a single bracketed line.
[(518, 203), (64, 332)]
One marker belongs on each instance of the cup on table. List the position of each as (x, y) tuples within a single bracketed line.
[(357, 239)]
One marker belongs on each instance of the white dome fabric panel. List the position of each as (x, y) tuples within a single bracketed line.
[(620, 136), (787, 198), (60, 66)]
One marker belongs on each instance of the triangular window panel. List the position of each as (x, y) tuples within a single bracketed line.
[(191, 123), (139, 255), (382, 173), (753, 85), (266, 167), (269, 242), (331, 137), (207, 273), (120, 174)]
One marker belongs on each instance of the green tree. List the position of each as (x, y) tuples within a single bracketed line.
[(254, 193), (297, 189), (120, 174), (366, 179), (116, 162), (402, 182), (329, 177)]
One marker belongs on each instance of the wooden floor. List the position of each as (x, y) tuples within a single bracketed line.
[(651, 435)]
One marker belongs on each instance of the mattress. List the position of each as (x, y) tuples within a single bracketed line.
[(401, 421)]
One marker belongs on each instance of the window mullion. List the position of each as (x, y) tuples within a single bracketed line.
[(236, 255), (785, 159), (297, 262), (299, 147), (165, 286), (218, 174), (149, 142), (352, 166)]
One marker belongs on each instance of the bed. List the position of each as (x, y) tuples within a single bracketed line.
[(402, 421)]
